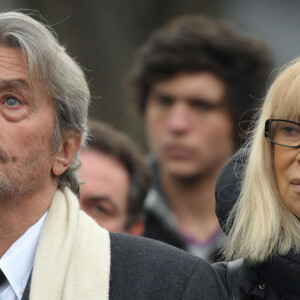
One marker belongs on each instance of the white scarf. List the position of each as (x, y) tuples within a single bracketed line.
[(73, 255)]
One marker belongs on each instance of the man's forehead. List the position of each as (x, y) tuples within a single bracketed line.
[(12, 58), (14, 69), (191, 85), (15, 72), (189, 95)]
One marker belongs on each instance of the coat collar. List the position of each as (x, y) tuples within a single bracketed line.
[(278, 278)]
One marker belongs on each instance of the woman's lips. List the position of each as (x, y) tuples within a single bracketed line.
[(296, 185)]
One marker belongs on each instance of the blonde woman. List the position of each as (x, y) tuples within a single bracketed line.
[(263, 226)]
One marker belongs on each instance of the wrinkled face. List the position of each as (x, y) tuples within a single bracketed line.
[(27, 123), (189, 130), (287, 171), (104, 194)]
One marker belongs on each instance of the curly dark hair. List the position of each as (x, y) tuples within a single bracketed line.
[(105, 139), (192, 44)]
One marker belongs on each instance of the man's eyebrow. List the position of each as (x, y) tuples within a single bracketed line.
[(103, 199), (158, 93), (14, 83)]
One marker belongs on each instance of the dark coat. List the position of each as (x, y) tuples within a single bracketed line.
[(158, 217), (144, 269), (147, 269), (156, 230), (159, 222), (278, 278), (227, 187)]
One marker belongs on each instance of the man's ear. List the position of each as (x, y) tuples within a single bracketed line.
[(70, 145), (137, 228)]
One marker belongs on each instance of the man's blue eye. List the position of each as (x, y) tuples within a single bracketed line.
[(12, 101)]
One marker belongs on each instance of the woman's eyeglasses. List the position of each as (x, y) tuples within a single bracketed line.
[(283, 132)]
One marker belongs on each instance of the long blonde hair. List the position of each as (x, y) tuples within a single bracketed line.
[(261, 226)]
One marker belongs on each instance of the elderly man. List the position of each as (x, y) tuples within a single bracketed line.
[(49, 249)]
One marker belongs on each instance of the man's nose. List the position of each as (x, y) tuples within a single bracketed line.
[(179, 118)]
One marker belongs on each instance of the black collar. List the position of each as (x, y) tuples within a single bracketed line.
[(277, 278)]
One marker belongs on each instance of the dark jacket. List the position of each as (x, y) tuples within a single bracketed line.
[(143, 269), (160, 222), (277, 278)]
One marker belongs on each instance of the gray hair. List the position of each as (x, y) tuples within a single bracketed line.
[(59, 74)]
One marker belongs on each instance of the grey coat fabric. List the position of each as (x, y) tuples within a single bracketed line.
[(145, 269)]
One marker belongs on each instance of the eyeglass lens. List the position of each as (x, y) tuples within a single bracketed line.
[(285, 133)]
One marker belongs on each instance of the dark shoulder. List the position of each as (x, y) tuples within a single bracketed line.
[(221, 269), (230, 272), (146, 269), (155, 229), (126, 247), (228, 187)]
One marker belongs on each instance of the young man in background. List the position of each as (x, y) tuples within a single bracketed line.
[(195, 81)]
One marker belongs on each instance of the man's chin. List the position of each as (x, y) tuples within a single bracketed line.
[(181, 171)]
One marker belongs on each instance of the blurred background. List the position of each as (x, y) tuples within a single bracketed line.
[(103, 35)]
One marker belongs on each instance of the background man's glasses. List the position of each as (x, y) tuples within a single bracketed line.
[(283, 132)]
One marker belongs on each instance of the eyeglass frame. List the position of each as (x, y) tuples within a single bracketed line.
[(267, 128)]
